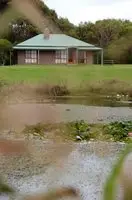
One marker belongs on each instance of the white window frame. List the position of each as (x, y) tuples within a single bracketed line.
[(31, 56), (61, 57)]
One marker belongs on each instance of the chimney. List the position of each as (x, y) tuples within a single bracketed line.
[(46, 34)]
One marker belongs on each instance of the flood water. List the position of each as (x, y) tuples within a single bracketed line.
[(19, 115), (88, 166), (94, 100)]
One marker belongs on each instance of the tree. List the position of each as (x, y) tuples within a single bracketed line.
[(121, 50), (5, 47), (21, 30), (111, 34), (3, 5), (85, 32), (107, 30), (66, 27)]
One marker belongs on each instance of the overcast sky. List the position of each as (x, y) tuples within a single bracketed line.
[(91, 10)]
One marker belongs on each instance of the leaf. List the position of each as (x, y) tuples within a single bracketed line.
[(110, 187), (4, 188)]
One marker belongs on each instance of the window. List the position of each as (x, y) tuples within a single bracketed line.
[(61, 56), (31, 57), (82, 57)]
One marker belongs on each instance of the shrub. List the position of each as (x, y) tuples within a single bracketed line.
[(110, 87), (37, 129), (59, 90), (52, 90), (130, 94), (80, 128), (2, 83), (119, 130), (5, 47)]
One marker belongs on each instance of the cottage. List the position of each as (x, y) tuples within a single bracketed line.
[(55, 49)]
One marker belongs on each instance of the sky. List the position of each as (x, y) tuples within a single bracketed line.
[(91, 10)]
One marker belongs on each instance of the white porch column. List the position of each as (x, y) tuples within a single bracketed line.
[(10, 57), (67, 53), (102, 57), (38, 56), (97, 58), (77, 54)]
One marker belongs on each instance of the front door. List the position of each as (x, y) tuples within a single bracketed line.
[(72, 58)]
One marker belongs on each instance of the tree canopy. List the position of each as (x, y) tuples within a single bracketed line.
[(111, 34), (5, 47)]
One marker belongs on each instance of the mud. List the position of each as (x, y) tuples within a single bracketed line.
[(16, 116)]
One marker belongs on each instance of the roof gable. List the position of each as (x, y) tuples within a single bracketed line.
[(55, 40)]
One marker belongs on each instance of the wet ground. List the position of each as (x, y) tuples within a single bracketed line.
[(86, 168), (95, 100), (19, 115)]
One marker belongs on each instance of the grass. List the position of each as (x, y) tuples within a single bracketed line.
[(77, 79), (71, 74)]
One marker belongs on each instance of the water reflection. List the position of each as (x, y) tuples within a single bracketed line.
[(94, 101)]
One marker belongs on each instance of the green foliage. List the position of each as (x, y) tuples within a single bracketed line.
[(3, 5), (5, 47), (111, 186), (58, 90), (111, 34), (35, 130), (121, 50), (86, 81), (80, 128), (67, 27), (20, 30), (52, 90), (4, 188), (2, 83), (119, 130)]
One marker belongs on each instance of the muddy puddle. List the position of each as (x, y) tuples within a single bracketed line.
[(86, 168), (19, 115), (94, 100)]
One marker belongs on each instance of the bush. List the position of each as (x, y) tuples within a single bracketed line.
[(59, 90), (80, 128), (36, 130), (5, 47), (52, 90), (119, 130), (2, 84), (111, 87), (130, 94)]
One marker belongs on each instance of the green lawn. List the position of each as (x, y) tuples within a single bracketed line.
[(66, 74)]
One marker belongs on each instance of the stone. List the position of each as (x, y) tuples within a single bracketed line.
[(78, 137)]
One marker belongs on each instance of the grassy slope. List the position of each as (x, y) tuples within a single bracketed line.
[(69, 75)]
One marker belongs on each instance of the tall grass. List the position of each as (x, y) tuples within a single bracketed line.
[(43, 90), (111, 184)]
